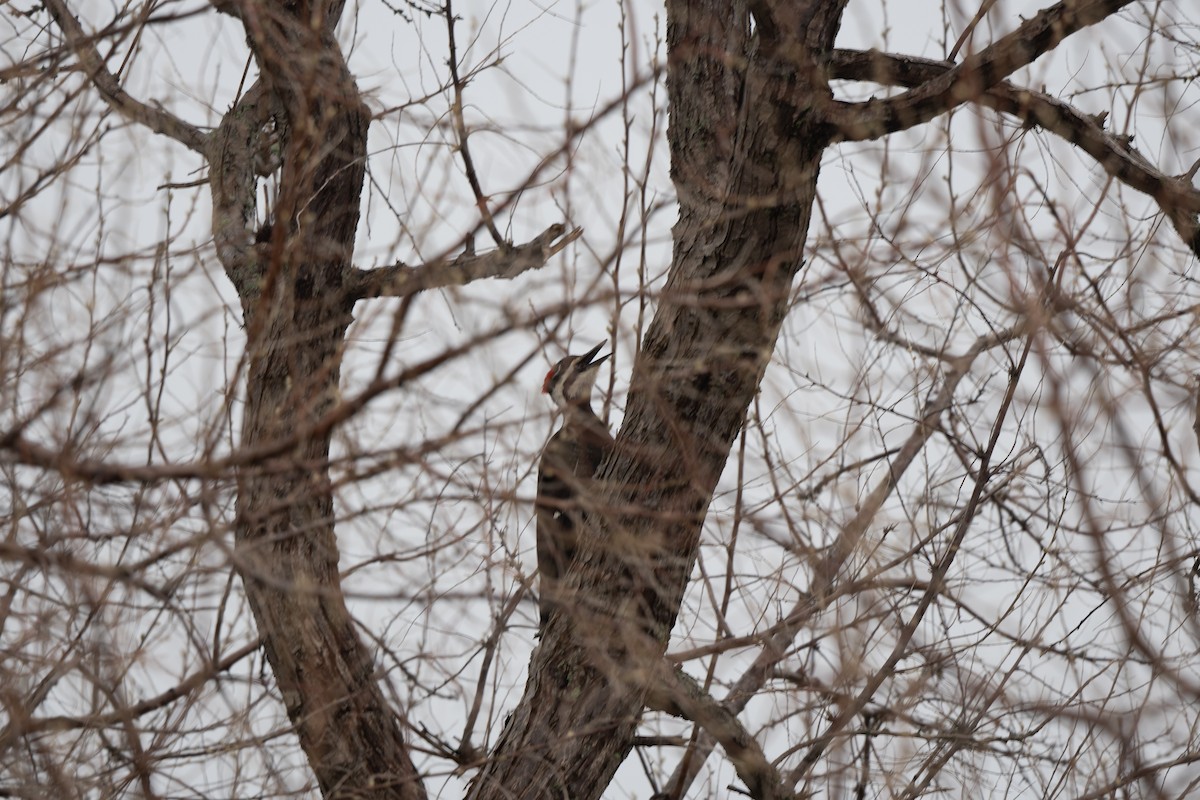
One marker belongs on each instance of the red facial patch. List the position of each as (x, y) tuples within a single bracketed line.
[(546, 383)]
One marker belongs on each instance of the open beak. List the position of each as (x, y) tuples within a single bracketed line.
[(589, 360)]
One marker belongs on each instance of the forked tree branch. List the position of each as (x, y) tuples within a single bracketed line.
[(156, 119), (401, 280), (678, 694), (972, 77), (1176, 196), (745, 206)]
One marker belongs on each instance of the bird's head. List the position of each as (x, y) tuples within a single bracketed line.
[(570, 381)]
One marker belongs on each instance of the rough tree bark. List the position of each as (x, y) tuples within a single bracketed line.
[(296, 312), (297, 288), (745, 152)]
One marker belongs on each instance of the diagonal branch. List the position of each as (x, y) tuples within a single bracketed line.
[(678, 694), (267, 456), (983, 474), (1176, 196), (972, 77), (156, 119), (828, 572), (401, 280), (189, 684)]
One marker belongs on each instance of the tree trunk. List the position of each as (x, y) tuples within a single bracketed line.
[(745, 156), (296, 314)]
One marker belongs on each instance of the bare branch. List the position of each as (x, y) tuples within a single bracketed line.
[(968, 31), (983, 475), (969, 79), (1176, 196), (48, 559), (678, 694), (185, 687), (401, 280), (460, 129), (261, 455), (828, 571), (156, 119), (1195, 387)]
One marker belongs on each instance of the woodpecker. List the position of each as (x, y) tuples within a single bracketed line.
[(568, 464)]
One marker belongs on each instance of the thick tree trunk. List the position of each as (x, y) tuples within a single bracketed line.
[(745, 157), (296, 314)]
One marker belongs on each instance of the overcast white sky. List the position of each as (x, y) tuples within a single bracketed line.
[(561, 62)]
